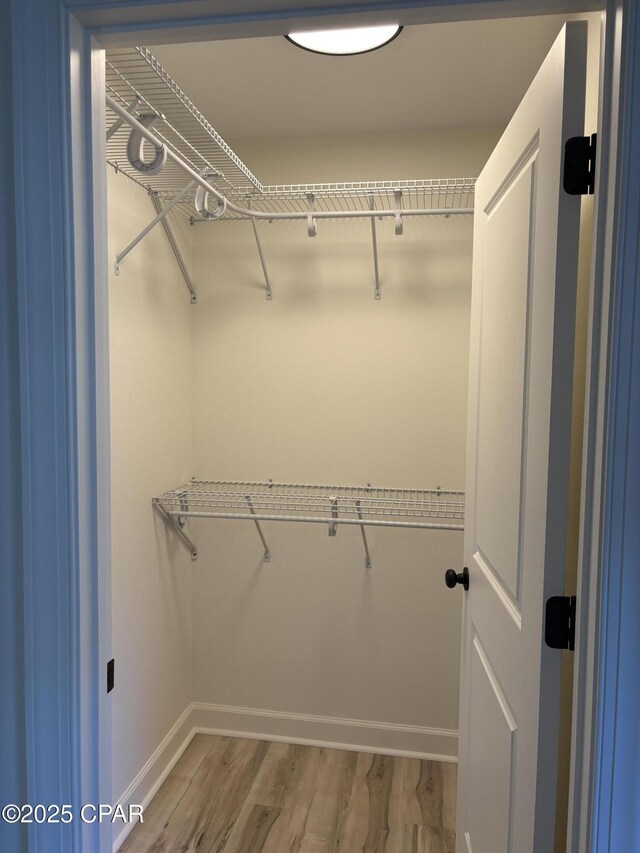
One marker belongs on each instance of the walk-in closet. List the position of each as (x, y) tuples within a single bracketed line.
[(291, 328)]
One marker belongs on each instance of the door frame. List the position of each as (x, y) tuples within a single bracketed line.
[(60, 253)]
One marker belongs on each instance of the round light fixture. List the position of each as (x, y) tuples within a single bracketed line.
[(345, 42)]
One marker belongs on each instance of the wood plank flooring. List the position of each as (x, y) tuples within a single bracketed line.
[(232, 795)]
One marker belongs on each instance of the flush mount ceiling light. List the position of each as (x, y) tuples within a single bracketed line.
[(345, 42)]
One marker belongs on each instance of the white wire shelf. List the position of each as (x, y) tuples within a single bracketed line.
[(202, 495), (134, 74), (434, 509), (445, 194), (192, 162), (139, 84)]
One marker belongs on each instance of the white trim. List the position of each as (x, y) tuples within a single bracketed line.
[(612, 688), (330, 732), (93, 587), (601, 311), (148, 781), (223, 19)]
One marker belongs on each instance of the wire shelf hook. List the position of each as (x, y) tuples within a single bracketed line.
[(312, 225), (399, 226)]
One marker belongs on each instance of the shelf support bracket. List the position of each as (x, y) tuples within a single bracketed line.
[(267, 552), (177, 523), (159, 218), (374, 239), (193, 296), (267, 282), (367, 555)]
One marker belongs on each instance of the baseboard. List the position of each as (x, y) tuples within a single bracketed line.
[(330, 732), (306, 729), (144, 787)]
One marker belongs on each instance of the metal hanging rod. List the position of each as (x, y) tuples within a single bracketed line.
[(432, 509), (330, 520)]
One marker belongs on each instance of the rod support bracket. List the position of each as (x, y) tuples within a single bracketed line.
[(367, 554), (377, 292), (160, 217), (193, 296), (177, 524), (267, 553), (263, 262)]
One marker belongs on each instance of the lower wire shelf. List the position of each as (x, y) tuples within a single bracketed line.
[(430, 509)]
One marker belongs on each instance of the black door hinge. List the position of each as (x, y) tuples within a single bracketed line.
[(560, 622), (579, 177), (111, 675)]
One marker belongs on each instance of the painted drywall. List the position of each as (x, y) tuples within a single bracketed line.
[(455, 74), (151, 349), (326, 385)]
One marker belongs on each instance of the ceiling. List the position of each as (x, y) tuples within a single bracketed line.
[(434, 75)]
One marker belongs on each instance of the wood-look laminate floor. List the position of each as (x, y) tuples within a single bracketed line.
[(231, 795)]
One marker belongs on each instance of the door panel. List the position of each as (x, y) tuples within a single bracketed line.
[(522, 329), (501, 441), (494, 744)]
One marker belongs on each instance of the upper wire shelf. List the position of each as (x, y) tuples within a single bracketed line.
[(134, 75), (139, 84), (434, 509), (192, 163), (446, 194)]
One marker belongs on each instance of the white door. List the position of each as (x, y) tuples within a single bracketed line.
[(522, 331)]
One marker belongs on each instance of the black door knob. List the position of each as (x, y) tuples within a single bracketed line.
[(453, 578)]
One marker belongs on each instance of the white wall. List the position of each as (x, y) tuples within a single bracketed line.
[(151, 364), (326, 385)]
